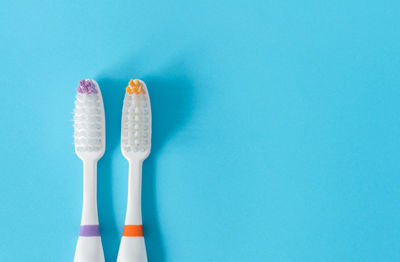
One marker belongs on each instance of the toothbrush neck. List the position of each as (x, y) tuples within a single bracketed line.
[(134, 212), (89, 209)]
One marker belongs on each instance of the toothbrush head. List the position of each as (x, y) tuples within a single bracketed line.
[(136, 121), (89, 121)]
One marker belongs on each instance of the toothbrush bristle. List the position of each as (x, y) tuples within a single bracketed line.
[(88, 118), (136, 125)]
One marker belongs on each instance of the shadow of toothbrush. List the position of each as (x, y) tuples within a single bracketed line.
[(170, 93), (113, 95)]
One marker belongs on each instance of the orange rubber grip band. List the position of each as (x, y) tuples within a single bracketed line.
[(133, 231)]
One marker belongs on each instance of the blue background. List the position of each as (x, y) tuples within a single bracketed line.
[(276, 127)]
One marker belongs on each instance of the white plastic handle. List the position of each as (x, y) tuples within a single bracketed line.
[(89, 208), (89, 249), (133, 248)]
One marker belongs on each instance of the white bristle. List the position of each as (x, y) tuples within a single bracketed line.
[(136, 128), (88, 123)]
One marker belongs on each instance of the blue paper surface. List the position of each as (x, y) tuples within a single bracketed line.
[(275, 127)]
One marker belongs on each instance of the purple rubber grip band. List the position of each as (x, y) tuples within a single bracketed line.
[(89, 231)]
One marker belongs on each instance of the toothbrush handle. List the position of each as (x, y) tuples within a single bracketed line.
[(89, 247), (132, 247)]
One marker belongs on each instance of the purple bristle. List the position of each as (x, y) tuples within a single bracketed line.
[(87, 86), (91, 88)]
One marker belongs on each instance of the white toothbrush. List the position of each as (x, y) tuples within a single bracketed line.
[(135, 145), (89, 140)]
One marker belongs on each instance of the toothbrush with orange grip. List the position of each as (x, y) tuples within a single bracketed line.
[(135, 146)]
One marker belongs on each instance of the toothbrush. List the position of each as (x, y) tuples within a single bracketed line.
[(135, 146), (89, 140)]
